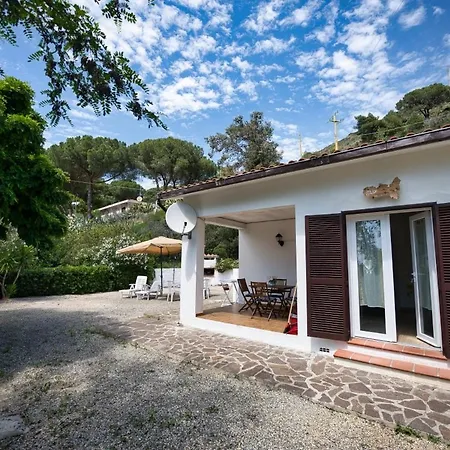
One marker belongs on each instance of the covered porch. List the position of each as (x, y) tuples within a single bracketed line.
[(267, 252)]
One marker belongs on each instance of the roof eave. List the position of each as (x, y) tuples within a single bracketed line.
[(325, 160)]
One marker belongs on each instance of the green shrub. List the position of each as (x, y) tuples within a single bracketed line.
[(64, 280), (226, 264)]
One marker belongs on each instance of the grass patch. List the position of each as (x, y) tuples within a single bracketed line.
[(407, 431), (169, 423), (102, 333), (2, 373), (212, 409), (434, 439)]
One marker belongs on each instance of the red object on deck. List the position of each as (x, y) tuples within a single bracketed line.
[(291, 327)]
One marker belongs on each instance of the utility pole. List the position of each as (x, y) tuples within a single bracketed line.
[(335, 122), (300, 145)]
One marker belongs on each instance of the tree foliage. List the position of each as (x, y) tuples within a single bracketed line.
[(424, 99), (75, 55), (115, 191), (246, 144), (172, 162), (222, 241), (31, 188), (368, 126), (88, 160), (15, 256)]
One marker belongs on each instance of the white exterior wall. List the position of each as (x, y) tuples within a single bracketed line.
[(260, 255), (425, 177)]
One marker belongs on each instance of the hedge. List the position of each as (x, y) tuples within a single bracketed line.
[(64, 280)]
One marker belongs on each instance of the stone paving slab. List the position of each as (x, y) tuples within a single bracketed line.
[(390, 400)]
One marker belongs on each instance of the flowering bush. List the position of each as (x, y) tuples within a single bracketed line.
[(226, 264), (123, 267)]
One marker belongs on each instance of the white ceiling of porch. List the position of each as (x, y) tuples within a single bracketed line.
[(260, 215)]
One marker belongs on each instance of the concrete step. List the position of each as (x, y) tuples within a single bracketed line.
[(439, 371), (398, 348)]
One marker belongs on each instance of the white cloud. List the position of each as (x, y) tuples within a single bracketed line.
[(343, 66), (199, 46), (180, 66), (325, 34), (284, 109), (312, 60), (194, 4), (302, 16), (249, 87), (216, 67), (173, 44), (265, 16), (242, 64), (394, 6), (437, 11), (363, 39), (446, 39), (367, 8), (267, 68), (80, 114), (273, 45), (288, 79), (187, 95), (235, 49), (284, 128), (413, 18)]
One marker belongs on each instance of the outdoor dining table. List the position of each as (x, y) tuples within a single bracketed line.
[(277, 292)]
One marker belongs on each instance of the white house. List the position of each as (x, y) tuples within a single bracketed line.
[(366, 235), (118, 208)]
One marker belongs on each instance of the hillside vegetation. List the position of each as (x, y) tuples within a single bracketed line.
[(419, 110)]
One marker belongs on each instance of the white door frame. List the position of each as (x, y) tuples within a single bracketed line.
[(388, 278), (432, 267)]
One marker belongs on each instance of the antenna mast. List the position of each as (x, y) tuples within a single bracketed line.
[(335, 122), (300, 145)]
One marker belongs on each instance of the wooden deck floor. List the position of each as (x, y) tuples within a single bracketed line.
[(230, 314)]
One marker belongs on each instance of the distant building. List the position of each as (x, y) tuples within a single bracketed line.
[(118, 208), (209, 264)]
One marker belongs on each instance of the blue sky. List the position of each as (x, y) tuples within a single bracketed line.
[(207, 61)]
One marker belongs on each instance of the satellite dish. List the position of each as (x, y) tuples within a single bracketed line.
[(181, 218)]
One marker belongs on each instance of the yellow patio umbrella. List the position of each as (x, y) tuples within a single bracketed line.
[(162, 246)]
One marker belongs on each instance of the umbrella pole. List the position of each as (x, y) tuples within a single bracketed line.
[(160, 259)]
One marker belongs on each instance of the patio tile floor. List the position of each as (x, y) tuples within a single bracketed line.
[(374, 396)]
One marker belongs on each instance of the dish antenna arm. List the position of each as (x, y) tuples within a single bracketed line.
[(183, 233)]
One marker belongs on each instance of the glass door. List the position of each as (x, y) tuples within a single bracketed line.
[(371, 282), (425, 279)]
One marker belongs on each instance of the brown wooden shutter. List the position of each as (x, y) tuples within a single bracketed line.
[(442, 236), (327, 285)]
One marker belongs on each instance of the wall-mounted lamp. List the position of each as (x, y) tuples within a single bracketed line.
[(279, 239)]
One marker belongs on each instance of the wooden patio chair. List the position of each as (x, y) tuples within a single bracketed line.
[(263, 299), (280, 282), (246, 295)]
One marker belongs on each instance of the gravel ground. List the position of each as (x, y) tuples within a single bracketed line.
[(77, 388)]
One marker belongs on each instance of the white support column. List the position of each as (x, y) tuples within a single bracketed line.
[(192, 273), (300, 243)]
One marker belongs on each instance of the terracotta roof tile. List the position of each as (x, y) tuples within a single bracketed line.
[(312, 157)]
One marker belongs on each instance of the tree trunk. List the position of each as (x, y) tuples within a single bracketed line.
[(89, 200), (3, 292)]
